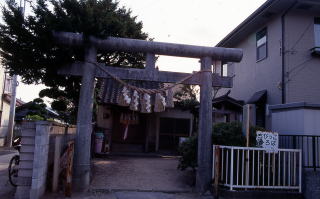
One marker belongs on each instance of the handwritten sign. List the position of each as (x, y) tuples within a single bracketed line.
[(268, 140)]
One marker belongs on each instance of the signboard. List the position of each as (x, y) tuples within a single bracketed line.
[(268, 140)]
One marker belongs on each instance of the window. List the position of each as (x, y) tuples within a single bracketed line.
[(317, 31), (224, 70), (221, 70), (261, 42), (8, 84)]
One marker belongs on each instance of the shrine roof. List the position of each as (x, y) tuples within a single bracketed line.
[(111, 89)]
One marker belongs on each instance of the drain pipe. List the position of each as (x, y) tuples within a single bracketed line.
[(283, 53)]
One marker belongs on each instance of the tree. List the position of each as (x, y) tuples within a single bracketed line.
[(186, 97), (28, 48), (34, 110)]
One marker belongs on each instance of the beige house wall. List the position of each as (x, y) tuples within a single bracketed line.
[(302, 69), (251, 76)]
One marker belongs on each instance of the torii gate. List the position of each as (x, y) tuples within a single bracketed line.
[(88, 70)]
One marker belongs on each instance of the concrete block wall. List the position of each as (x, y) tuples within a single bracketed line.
[(35, 156), (26, 161), (311, 183), (40, 160)]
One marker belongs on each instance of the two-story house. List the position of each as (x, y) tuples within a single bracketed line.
[(281, 60)]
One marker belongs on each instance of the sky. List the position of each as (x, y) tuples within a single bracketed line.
[(196, 22)]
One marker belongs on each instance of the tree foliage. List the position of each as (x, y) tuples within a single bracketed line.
[(34, 110), (187, 92), (186, 97), (28, 48)]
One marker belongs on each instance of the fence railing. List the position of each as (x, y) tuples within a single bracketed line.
[(255, 168), (309, 145)]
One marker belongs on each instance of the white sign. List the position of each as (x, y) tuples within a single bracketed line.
[(268, 140)]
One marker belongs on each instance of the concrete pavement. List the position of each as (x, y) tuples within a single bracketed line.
[(130, 195), (6, 190), (121, 177), (140, 174)]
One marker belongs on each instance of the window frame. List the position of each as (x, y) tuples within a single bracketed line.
[(264, 33)]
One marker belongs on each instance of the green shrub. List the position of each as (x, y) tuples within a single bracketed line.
[(188, 150), (229, 134), (34, 118), (50, 120)]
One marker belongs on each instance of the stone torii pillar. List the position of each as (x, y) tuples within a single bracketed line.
[(89, 71), (84, 122), (203, 176)]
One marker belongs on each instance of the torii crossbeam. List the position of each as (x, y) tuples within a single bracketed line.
[(88, 70)]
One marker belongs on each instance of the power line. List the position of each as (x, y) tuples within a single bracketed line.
[(301, 36)]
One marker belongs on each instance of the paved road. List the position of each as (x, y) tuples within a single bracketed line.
[(6, 190)]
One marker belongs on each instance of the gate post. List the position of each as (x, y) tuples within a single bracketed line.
[(204, 174), (84, 123)]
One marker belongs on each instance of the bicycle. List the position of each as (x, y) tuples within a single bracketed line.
[(14, 163)]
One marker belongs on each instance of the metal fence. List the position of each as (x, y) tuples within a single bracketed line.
[(255, 168), (309, 145)]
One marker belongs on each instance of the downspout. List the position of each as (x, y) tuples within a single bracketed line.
[(283, 53)]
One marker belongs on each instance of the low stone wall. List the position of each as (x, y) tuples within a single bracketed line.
[(311, 183), (36, 154)]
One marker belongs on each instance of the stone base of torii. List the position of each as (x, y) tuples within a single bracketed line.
[(88, 70)]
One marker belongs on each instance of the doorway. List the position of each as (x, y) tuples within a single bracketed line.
[(172, 131)]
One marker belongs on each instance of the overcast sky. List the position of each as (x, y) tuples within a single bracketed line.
[(197, 22)]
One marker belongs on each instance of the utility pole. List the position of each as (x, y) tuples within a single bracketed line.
[(12, 110), (14, 94)]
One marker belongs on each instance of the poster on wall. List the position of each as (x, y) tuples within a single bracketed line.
[(268, 140)]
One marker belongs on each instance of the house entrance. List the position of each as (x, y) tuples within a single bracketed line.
[(172, 132), (128, 137)]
